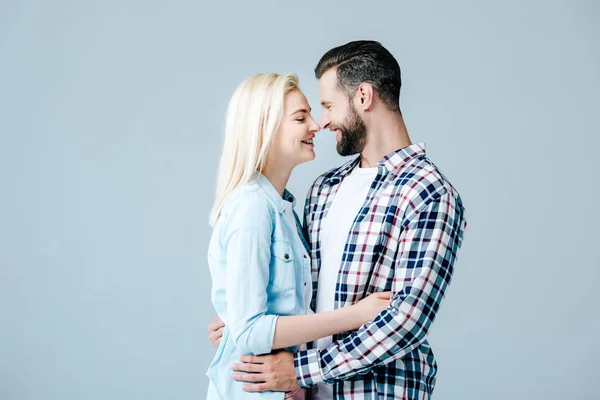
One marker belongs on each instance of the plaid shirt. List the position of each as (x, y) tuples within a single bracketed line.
[(404, 239)]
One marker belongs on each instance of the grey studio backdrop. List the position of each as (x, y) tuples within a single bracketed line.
[(111, 117)]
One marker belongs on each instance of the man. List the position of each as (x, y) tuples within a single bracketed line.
[(387, 220)]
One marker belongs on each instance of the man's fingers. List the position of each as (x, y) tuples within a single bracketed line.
[(247, 367), (256, 387), (214, 335), (252, 359), (215, 324), (260, 378)]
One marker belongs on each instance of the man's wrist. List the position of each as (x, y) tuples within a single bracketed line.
[(308, 368)]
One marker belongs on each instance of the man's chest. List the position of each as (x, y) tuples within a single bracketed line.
[(356, 237)]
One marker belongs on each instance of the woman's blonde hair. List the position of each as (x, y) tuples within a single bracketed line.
[(254, 114)]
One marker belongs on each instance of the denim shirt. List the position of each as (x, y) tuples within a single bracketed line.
[(259, 271)]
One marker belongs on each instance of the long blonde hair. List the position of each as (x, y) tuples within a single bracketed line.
[(254, 114)]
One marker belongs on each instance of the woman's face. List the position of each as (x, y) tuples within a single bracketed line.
[(293, 142)]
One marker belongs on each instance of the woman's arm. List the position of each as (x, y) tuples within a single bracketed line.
[(295, 330), (247, 244), (246, 241)]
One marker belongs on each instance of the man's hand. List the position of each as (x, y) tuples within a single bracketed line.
[(215, 331), (271, 372)]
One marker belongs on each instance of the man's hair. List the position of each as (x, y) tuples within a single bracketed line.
[(364, 61)]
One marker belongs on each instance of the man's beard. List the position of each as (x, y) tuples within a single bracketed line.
[(353, 134)]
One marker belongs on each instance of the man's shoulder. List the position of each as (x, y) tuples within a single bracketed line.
[(420, 181)]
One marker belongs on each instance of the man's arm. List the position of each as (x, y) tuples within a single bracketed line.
[(427, 251)]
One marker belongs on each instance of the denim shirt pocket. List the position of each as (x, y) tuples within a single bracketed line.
[(282, 272)]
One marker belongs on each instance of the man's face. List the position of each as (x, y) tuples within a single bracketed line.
[(340, 116)]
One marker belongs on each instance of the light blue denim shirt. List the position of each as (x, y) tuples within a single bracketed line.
[(259, 271)]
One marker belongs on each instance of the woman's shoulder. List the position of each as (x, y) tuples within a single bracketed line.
[(248, 198)]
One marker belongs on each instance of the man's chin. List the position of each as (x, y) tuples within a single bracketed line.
[(344, 152)]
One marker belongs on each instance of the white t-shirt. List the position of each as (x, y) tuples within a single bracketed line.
[(346, 205)]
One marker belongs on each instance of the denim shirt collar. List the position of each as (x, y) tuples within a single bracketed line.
[(273, 194)]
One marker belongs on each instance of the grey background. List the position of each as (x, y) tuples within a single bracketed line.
[(110, 128)]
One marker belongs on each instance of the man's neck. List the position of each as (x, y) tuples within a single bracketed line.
[(385, 135)]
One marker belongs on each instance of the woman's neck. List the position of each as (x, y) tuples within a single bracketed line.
[(278, 177)]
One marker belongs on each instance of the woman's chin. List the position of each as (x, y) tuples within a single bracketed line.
[(311, 156)]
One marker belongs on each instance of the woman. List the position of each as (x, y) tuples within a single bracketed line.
[(258, 258)]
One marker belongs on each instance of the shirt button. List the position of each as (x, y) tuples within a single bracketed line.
[(286, 256), (305, 256)]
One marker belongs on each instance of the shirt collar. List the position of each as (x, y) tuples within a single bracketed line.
[(397, 159), (273, 194), (391, 162)]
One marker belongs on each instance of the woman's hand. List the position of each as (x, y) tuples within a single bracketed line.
[(369, 307)]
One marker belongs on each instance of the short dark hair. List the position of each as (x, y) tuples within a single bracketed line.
[(364, 61)]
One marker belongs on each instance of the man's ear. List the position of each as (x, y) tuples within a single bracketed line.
[(364, 97)]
